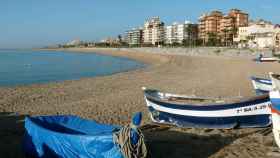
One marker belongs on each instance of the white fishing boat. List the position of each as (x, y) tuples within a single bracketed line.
[(275, 108), (207, 112), (268, 59), (261, 85), (275, 79), (275, 114)]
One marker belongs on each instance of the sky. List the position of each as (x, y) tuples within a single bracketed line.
[(37, 23)]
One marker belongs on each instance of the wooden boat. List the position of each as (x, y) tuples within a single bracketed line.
[(261, 58), (261, 85), (275, 114), (275, 79), (275, 107), (268, 59), (67, 136), (206, 112)]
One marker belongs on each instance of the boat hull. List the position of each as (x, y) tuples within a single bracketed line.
[(261, 86), (267, 59), (275, 110), (255, 113), (68, 137)]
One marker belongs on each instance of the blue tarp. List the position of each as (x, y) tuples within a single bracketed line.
[(69, 136)]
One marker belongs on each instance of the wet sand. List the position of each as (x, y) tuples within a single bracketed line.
[(113, 99)]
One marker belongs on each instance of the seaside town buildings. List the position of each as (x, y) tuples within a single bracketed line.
[(134, 37), (209, 25), (153, 32), (181, 33), (213, 29), (277, 39), (75, 42), (259, 34), (111, 41), (220, 27)]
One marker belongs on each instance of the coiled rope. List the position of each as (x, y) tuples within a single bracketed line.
[(128, 148)]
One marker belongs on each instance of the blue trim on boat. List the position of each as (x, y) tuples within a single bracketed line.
[(261, 92), (262, 80), (211, 122), (261, 99)]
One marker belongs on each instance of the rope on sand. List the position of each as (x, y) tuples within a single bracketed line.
[(125, 142)]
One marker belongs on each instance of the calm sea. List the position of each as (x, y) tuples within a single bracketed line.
[(28, 67)]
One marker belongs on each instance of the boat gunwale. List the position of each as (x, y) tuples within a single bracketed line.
[(259, 80), (31, 118), (243, 101)]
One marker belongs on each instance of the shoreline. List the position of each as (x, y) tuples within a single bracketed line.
[(148, 62), (138, 56)]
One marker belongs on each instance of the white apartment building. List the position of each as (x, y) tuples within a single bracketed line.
[(177, 33), (170, 34), (181, 33), (74, 42), (153, 32), (134, 36), (277, 38), (257, 35), (264, 40)]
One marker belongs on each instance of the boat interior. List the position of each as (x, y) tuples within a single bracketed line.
[(198, 100)]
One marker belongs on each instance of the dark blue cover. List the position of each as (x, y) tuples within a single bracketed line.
[(69, 136)]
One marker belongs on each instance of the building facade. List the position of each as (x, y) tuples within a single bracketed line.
[(153, 32), (277, 39), (258, 34), (170, 34), (241, 18), (226, 31), (180, 33), (209, 25), (220, 27), (134, 37)]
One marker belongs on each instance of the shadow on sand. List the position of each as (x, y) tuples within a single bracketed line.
[(176, 144), (11, 133), (160, 144)]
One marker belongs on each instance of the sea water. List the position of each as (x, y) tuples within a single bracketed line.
[(29, 67)]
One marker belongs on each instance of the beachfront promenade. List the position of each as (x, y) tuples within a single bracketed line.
[(195, 51)]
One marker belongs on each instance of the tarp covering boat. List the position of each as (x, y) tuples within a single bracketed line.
[(261, 85), (74, 137), (181, 111)]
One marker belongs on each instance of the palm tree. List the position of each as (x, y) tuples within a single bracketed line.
[(212, 39), (225, 31)]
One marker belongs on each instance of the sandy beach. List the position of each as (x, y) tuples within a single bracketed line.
[(113, 99)]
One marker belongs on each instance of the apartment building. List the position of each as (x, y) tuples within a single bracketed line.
[(254, 28), (230, 24), (178, 33), (226, 31), (241, 18), (221, 27), (209, 25), (277, 39), (153, 32), (75, 42), (170, 34), (258, 34), (134, 36)]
